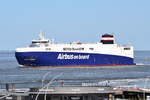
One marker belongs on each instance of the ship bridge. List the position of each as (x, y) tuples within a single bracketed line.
[(41, 41)]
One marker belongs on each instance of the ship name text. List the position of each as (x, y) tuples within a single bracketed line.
[(71, 56)]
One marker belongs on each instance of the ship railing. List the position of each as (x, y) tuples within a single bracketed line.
[(56, 82)]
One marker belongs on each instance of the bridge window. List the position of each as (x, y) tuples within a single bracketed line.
[(91, 48), (126, 48)]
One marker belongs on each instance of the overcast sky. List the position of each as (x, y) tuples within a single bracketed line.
[(74, 20)]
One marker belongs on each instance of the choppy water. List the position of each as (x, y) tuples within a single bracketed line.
[(134, 75)]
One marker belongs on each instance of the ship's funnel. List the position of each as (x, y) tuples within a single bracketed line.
[(107, 39)]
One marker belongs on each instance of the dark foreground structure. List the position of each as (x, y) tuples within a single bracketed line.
[(75, 93)]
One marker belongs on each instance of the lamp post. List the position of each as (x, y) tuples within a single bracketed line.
[(44, 76), (50, 82)]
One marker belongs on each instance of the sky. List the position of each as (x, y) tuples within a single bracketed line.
[(74, 20)]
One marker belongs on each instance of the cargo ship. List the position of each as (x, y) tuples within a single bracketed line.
[(43, 52)]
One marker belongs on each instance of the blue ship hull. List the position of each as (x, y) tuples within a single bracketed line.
[(70, 59)]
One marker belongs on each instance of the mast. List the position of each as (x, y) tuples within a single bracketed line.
[(41, 36)]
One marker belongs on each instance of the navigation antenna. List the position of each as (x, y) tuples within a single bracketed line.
[(41, 35)]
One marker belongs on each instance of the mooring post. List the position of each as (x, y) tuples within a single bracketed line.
[(7, 86), (13, 86), (110, 97)]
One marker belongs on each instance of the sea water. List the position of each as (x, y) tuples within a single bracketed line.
[(131, 76)]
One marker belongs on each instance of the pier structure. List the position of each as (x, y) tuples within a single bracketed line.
[(74, 93)]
